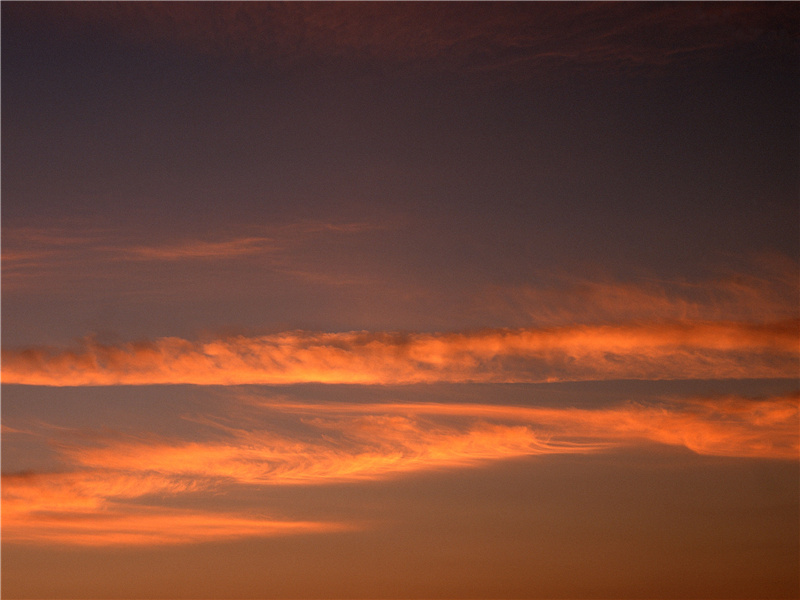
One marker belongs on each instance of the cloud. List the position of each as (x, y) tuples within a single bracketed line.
[(93, 507), (112, 488), (37, 258), (717, 426), (96, 502), (332, 442), (353, 448), (519, 38), (202, 249), (85, 508), (150, 527), (766, 291), (656, 350)]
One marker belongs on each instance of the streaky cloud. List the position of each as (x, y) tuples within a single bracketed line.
[(39, 257), (649, 351), (765, 292), (95, 500), (719, 426), (202, 249)]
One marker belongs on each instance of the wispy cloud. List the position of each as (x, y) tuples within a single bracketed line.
[(348, 441), (280, 239), (718, 426), (202, 249), (657, 350), (96, 499), (150, 527), (520, 38), (765, 288), (90, 508), (37, 257)]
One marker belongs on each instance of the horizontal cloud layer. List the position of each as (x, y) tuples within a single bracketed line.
[(766, 290), (89, 508), (657, 350), (94, 501), (35, 258)]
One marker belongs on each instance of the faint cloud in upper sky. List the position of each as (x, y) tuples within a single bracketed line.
[(38, 257), (510, 37), (764, 288)]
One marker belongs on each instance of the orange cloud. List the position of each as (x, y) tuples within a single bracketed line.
[(89, 508), (659, 350), (147, 526), (366, 446), (724, 426), (355, 441), (92, 505), (765, 293), (96, 501)]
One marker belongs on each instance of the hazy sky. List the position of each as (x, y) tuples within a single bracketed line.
[(400, 300)]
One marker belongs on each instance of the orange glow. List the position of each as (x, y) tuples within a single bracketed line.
[(146, 526), (94, 502), (663, 350), (367, 446), (89, 508), (727, 426)]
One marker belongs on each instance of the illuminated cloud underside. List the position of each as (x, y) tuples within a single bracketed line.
[(93, 502), (657, 350)]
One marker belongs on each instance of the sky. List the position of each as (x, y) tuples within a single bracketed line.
[(400, 300)]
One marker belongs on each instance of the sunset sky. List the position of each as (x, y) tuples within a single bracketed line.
[(400, 301)]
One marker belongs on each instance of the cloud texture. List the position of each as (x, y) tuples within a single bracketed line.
[(97, 499), (658, 350)]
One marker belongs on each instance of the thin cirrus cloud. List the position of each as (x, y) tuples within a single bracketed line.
[(200, 249), (721, 426), (518, 38), (24, 244), (94, 502), (281, 238), (765, 292), (350, 441), (38, 257), (90, 508), (151, 527), (649, 350)]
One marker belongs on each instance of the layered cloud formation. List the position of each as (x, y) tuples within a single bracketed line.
[(113, 489)]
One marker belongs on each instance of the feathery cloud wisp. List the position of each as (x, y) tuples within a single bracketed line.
[(661, 350), (88, 509), (95, 501)]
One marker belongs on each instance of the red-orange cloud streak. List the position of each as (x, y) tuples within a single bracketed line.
[(352, 442), (94, 502), (726, 426), (90, 507), (656, 350)]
